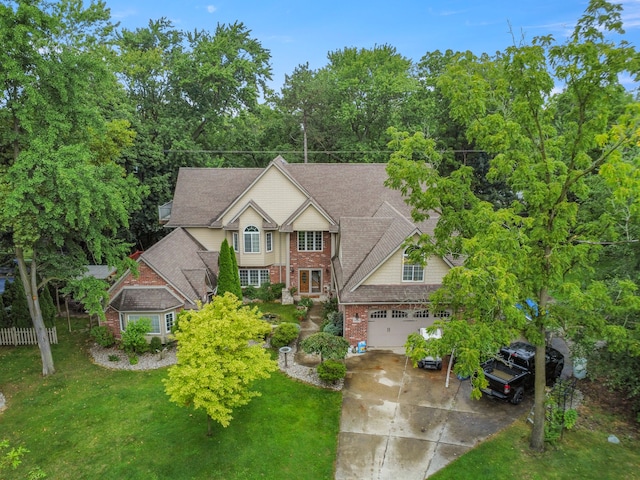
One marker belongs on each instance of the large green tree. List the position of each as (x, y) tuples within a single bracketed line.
[(344, 109), (545, 146), (64, 198), (220, 355), (187, 90)]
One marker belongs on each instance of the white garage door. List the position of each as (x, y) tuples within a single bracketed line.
[(390, 328)]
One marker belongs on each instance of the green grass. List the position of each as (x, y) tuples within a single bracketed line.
[(584, 453), (285, 313), (89, 422)]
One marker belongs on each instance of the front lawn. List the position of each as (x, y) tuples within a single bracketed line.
[(283, 313), (584, 453), (89, 422)]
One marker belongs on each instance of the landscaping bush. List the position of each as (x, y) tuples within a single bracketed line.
[(133, 337), (329, 307), (331, 371), (155, 345), (284, 334), (250, 292), (268, 292), (103, 336), (333, 324), (305, 302)]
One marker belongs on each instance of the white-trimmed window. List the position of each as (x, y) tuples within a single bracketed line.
[(268, 242), (169, 319), (253, 277), (123, 321), (251, 239), (234, 240), (411, 272), (398, 314), (310, 241), (154, 317), (442, 314), (378, 314), (421, 314)]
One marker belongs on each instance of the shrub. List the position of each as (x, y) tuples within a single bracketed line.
[(250, 292), (268, 292), (326, 345), (333, 324), (332, 329), (305, 302), (155, 345), (329, 306), (133, 337), (284, 334), (114, 358), (102, 336), (331, 371)]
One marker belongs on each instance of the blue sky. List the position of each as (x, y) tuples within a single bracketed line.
[(297, 32)]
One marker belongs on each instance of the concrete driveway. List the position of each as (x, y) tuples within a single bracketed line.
[(400, 422)]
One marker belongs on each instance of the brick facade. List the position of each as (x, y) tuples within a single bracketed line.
[(146, 277), (320, 260), (355, 323)]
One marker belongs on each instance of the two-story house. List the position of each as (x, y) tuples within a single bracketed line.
[(325, 229)]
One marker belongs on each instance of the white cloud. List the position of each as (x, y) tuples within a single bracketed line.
[(211, 8), (120, 14)]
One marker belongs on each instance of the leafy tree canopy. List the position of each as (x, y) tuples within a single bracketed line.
[(545, 146), (220, 354)]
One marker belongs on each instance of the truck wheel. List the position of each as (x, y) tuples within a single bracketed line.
[(439, 366), (518, 396)]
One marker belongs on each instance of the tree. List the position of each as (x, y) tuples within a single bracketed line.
[(325, 344), (344, 108), (228, 281), (185, 88), (546, 146), (64, 198), (220, 354), (237, 286), (48, 308), (19, 308)]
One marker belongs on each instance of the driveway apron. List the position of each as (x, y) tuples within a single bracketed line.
[(401, 422)]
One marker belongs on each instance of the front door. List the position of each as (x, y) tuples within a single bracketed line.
[(304, 281)]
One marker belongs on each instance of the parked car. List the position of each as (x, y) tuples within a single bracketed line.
[(512, 372), (430, 363)]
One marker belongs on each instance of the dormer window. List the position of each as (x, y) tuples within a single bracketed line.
[(411, 272), (251, 239)]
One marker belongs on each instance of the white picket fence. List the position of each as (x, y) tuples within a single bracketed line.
[(24, 336)]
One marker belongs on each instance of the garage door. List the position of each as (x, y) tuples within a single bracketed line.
[(390, 328)]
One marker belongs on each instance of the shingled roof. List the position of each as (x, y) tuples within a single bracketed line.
[(202, 194), (341, 190), (184, 263), (145, 299)]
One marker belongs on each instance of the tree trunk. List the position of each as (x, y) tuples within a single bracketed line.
[(29, 281), (537, 434)]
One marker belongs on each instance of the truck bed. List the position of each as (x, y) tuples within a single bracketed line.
[(502, 372)]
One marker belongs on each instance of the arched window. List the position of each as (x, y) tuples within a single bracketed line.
[(251, 239), (411, 272)]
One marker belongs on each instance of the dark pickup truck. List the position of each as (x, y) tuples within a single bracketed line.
[(512, 371)]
